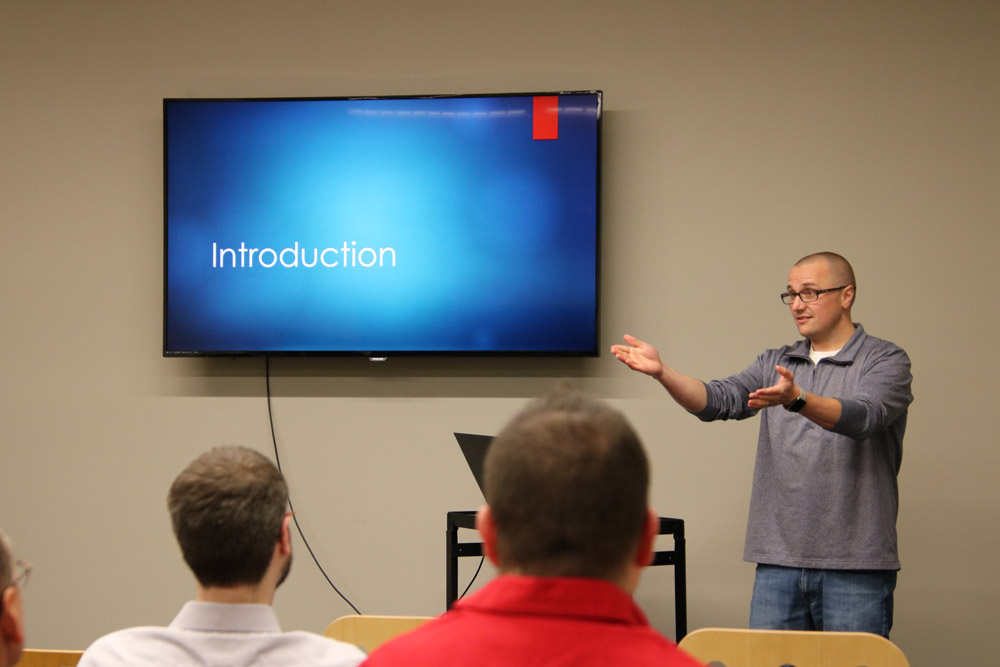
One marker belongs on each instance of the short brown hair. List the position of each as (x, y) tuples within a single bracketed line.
[(6, 562), (840, 268), (227, 507), (567, 484)]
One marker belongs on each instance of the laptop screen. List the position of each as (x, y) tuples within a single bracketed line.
[(474, 448)]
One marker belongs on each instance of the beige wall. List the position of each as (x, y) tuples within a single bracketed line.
[(738, 137)]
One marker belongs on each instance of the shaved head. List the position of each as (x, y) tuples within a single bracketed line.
[(840, 268)]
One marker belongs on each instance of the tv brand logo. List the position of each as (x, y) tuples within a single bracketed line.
[(292, 257)]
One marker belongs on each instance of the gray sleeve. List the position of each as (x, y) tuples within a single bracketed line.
[(882, 395), (727, 398)]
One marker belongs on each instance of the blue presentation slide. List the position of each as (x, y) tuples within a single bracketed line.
[(424, 225)]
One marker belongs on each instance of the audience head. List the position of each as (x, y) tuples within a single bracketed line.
[(566, 484), (11, 616), (228, 509)]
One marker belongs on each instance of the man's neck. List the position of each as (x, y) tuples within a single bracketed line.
[(627, 580), (836, 339), (243, 594)]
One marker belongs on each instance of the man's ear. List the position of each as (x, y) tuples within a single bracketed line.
[(488, 531), (285, 542), (847, 296), (650, 529), (12, 620)]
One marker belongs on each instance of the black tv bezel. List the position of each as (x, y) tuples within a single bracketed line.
[(375, 354)]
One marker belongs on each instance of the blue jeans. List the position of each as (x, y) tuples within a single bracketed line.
[(792, 598)]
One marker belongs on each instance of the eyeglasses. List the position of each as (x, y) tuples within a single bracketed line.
[(22, 573), (807, 295)]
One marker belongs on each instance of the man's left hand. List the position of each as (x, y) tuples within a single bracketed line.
[(782, 393)]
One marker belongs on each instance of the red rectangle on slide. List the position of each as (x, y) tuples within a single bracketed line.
[(546, 117)]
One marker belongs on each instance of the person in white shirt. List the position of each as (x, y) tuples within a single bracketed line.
[(228, 510), (13, 575)]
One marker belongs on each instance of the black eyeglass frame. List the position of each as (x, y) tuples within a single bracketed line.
[(791, 295)]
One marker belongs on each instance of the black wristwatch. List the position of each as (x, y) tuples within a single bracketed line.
[(798, 403)]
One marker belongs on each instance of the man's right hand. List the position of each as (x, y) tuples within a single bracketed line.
[(689, 392), (639, 356)]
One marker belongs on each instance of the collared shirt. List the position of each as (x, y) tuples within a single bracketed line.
[(825, 498), (212, 634), (522, 620)]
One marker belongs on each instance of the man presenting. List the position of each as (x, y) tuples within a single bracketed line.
[(568, 525), (822, 521), (228, 510)]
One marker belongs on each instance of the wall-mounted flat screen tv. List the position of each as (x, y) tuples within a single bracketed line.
[(430, 225)]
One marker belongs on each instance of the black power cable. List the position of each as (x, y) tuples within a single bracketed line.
[(481, 559), (295, 518)]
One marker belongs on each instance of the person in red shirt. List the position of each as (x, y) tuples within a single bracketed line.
[(568, 525)]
